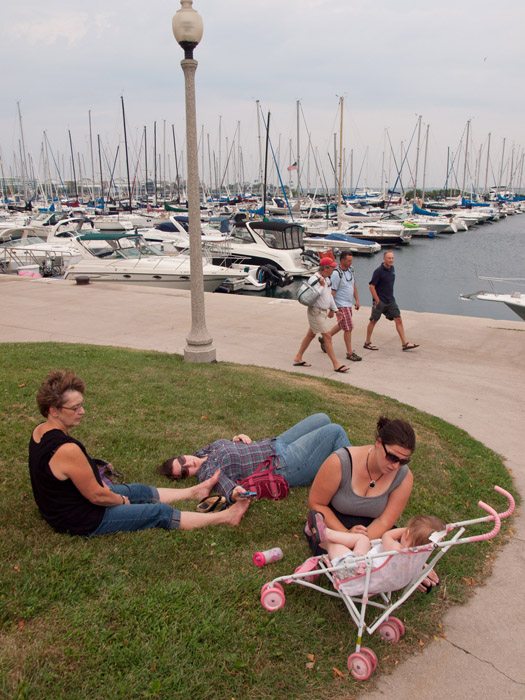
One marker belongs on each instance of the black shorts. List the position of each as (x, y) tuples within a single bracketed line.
[(389, 308)]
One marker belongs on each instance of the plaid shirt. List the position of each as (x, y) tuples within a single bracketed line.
[(236, 460)]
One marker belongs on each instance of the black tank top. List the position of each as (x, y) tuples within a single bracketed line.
[(60, 502)]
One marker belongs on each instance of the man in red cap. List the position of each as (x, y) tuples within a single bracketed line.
[(319, 316)]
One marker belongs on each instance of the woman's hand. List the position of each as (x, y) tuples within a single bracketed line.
[(359, 530), (242, 438)]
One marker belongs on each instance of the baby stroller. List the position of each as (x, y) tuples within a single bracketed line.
[(380, 576)]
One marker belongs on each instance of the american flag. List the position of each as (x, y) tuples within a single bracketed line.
[(292, 167)]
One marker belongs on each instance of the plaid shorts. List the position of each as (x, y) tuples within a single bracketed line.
[(344, 318)]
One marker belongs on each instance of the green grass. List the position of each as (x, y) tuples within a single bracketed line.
[(177, 615)]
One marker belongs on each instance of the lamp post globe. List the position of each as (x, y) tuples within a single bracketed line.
[(188, 29)]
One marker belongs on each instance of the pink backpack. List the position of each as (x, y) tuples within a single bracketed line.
[(266, 483)]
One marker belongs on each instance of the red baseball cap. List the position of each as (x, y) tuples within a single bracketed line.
[(327, 262)]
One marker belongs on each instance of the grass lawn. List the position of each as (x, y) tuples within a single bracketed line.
[(177, 615)]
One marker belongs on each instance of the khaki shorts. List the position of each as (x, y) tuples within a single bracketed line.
[(318, 320)]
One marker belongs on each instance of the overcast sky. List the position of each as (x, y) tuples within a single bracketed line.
[(392, 60)]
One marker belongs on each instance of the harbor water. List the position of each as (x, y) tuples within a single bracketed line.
[(432, 273)]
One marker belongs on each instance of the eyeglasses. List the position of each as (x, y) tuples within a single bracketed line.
[(76, 408), (184, 471), (392, 458)]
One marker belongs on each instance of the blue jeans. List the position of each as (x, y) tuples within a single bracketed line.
[(144, 511), (304, 447)]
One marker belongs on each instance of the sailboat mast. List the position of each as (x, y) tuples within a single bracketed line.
[(266, 164), (100, 168), (341, 101), (155, 159), (417, 156), (73, 165), (425, 167), (298, 160), (176, 163), (126, 147), (466, 159), (92, 159)]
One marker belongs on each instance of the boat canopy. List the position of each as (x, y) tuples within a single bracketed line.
[(279, 234), (103, 236), (424, 212)]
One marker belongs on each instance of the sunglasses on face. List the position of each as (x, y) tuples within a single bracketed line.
[(184, 471), (393, 459)]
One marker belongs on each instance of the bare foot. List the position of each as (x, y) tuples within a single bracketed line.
[(203, 489), (234, 514)]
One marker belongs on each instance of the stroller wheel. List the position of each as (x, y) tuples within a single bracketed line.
[(359, 666), (389, 632), (397, 622), (273, 598), (370, 656)]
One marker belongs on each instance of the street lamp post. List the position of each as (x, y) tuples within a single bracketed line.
[(187, 28)]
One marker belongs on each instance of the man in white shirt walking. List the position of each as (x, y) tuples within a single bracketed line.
[(345, 295)]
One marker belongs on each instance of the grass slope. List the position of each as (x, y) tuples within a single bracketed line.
[(159, 615)]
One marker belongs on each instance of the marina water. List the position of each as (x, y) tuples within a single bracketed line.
[(431, 273)]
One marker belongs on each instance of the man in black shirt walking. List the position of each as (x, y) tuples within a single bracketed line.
[(384, 303)]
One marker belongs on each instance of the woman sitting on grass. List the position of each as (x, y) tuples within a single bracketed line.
[(69, 491)]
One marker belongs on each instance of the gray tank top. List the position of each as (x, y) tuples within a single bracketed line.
[(346, 501)]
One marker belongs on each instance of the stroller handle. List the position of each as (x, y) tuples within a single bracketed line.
[(495, 529), (509, 497)]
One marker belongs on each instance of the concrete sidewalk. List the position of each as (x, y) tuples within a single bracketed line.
[(468, 371)]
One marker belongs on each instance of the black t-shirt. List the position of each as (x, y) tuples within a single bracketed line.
[(383, 280), (60, 502)]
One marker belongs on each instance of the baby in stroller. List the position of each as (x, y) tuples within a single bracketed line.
[(344, 547)]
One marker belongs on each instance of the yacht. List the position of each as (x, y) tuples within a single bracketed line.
[(125, 257), (514, 300), (263, 243)]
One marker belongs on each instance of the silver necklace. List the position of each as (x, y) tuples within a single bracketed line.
[(372, 481)]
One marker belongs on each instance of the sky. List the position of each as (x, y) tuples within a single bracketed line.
[(391, 61)]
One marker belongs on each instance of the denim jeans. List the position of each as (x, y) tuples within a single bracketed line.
[(304, 447), (144, 511)]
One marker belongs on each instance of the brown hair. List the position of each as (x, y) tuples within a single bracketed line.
[(166, 469), (396, 432), (421, 527), (53, 388)]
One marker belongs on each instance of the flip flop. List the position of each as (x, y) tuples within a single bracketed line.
[(369, 346), (409, 346), (206, 505), (342, 369), (302, 364), (317, 527)]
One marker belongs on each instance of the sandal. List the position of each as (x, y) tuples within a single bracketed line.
[(321, 343), (317, 527), (342, 369), (206, 505), (353, 356), (369, 346), (409, 346)]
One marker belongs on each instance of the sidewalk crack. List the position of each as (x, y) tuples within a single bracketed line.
[(484, 661)]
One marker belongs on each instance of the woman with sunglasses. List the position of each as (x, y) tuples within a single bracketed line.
[(365, 489), (69, 491)]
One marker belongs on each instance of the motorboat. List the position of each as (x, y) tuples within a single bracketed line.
[(31, 251), (127, 257), (514, 300), (342, 241), (262, 243)]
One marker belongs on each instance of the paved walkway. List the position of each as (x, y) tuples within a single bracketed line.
[(468, 371)]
